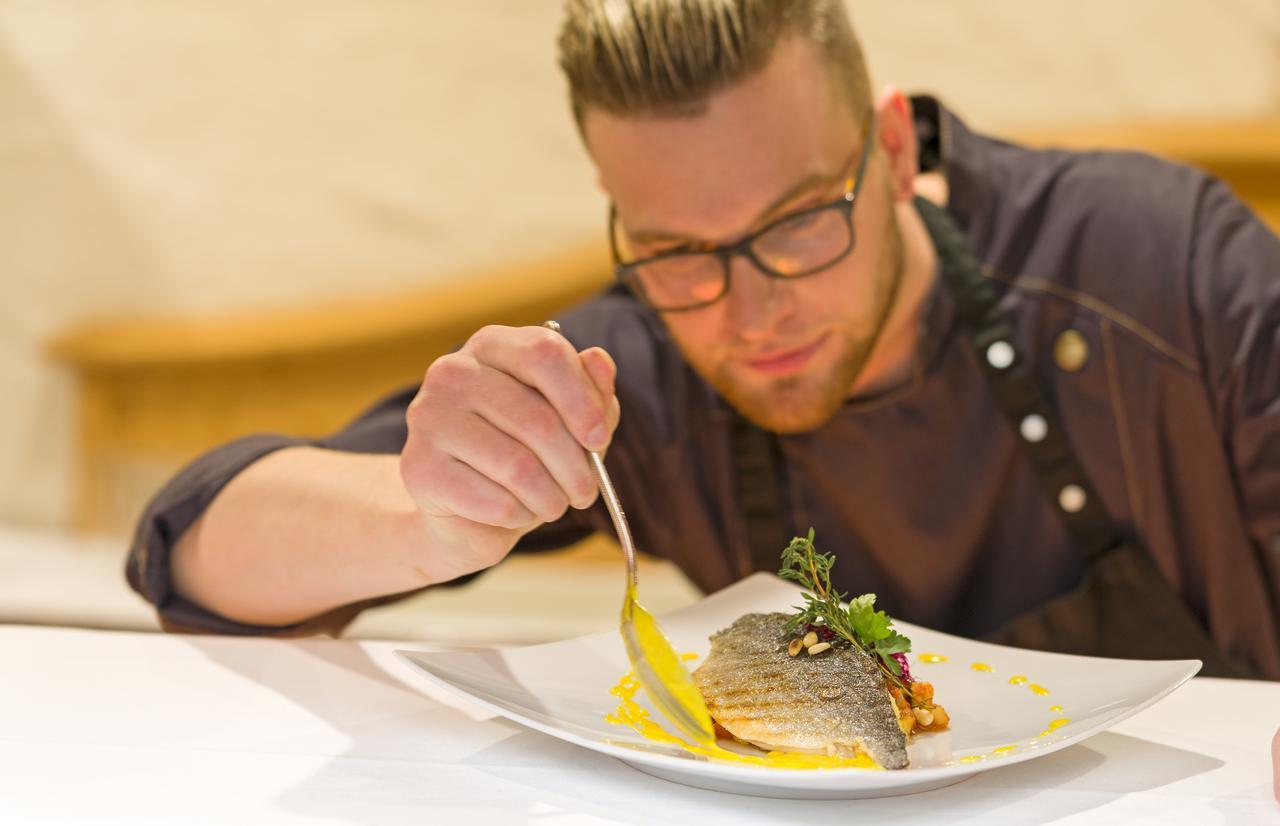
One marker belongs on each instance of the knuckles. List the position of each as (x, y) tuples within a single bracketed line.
[(543, 347), (448, 372), (421, 468), (506, 513), (539, 425), (523, 472)]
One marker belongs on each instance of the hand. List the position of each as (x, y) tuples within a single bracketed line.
[(496, 442), (1275, 765)]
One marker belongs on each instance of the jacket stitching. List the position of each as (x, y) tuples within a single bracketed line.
[(1034, 284)]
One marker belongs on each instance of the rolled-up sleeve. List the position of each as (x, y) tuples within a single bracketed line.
[(381, 429), (180, 503)]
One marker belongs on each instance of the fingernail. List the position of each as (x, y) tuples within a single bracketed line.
[(598, 437)]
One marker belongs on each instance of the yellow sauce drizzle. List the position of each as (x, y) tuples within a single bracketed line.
[(1004, 750), (631, 714), (1038, 689), (667, 667), (1017, 680), (932, 658), (972, 758), (1054, 725), (981, 667), (1055, 709)]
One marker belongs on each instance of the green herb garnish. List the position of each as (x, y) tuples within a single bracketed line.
[(858, 624)]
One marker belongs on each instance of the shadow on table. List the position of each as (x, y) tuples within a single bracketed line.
[(1080, 778), (397, 737), (382, 776)]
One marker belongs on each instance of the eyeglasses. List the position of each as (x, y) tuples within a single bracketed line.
[(794, 246)]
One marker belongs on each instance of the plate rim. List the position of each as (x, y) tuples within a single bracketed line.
[(763, 775)]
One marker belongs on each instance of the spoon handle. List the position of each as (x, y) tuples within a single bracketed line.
[(615, 511), (610, 499)]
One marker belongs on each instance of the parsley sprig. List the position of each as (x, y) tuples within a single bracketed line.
[(859, 623)]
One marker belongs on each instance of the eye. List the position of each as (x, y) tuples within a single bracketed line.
[(799, 226)]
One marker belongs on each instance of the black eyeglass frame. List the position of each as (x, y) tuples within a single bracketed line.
[(626, 271)]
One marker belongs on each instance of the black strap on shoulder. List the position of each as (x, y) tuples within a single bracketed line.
[(1014, 384), (758, 488), (757, 452)]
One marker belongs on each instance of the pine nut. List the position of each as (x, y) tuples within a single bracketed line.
[(810, 639), (795, 646), (924, 716), (819, 648)]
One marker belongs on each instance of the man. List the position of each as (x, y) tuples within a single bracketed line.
[(1059, 428)]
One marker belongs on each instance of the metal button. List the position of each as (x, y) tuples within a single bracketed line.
[(1072, 498), (1034, 428), (1000, 355), (1071, 350)]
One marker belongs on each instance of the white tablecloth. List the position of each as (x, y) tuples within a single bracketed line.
[(136, 728)]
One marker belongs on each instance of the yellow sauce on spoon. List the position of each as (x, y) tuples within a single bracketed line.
[(662, 673)]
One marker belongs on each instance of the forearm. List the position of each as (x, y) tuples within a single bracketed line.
[(300, 532)]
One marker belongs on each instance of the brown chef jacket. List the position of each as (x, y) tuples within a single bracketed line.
[(1147, 299)]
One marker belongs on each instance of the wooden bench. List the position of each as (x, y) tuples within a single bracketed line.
[(155, 393)]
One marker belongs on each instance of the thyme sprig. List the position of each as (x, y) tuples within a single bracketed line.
[(858, 623)]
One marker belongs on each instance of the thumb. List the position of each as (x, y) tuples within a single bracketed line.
[(603, 372)]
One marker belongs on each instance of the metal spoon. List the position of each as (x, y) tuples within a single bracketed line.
[(653, 660)]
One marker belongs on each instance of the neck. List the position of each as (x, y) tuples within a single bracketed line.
[(893, 356)]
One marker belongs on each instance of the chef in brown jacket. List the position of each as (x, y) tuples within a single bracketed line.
[(1040, 405)]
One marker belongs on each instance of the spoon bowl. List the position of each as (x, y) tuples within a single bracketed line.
[(656, 664)]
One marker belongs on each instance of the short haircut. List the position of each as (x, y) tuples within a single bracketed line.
[(667, 57)]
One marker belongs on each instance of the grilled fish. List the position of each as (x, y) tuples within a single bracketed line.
[(836, 703)]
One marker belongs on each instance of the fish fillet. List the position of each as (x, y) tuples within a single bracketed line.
[(833, 703)]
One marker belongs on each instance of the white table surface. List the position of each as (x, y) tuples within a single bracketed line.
[(137, 728)]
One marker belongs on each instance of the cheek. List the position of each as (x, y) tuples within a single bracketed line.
[(697, 332), (841, 293)]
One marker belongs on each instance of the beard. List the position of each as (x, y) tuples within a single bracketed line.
[(807, 400)]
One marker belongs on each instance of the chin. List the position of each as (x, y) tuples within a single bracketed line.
[(794, 405)]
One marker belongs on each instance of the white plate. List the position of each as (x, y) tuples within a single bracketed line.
[(562, 689)]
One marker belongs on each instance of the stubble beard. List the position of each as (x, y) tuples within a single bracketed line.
[(807, 400)]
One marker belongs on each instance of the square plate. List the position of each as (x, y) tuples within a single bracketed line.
[(1006, 705)]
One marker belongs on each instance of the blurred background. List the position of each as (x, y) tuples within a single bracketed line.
[(220, 218)]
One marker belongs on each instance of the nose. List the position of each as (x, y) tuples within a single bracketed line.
[(756, 301)]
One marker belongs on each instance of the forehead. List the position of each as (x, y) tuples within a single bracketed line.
[(710, 175)]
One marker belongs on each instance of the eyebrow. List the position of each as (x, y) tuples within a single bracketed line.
[(805, 186)]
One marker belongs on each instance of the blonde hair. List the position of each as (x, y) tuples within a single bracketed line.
[(667, 57)]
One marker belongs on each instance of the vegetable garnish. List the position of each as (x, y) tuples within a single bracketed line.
[(860, 624)]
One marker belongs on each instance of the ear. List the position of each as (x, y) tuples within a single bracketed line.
[(897, 135)]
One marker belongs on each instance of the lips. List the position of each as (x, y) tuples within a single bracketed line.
[(789, 360)]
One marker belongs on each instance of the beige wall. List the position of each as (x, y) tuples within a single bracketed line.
[(163, 156)]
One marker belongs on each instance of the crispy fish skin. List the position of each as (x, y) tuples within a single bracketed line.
[(834, 703)]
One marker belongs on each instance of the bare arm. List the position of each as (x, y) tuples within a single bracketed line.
[(494, 450), (299, 532)]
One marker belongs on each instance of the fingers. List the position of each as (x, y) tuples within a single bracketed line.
[(527, 418), (600, 367), (547, 362), (496, 436), (462, 491)]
